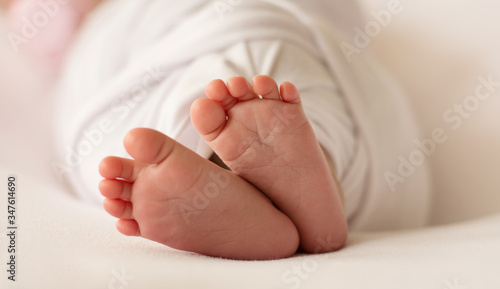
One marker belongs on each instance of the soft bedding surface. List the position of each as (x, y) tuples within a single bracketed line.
[(63, 243)]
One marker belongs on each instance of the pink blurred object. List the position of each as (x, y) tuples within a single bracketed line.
[(44, 29)]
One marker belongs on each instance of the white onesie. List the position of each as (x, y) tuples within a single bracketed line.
[(142, 64)]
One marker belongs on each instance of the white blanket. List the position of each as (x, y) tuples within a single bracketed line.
[(65, 244), (142, 64)]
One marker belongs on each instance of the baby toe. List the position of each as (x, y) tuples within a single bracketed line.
[(119, 168), (217, 90), (128, 227), (289, 93), (267, 87), (240, 88), (115, 189), (118, 208)]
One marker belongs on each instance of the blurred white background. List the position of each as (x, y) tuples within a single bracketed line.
[(24, 112), (436, 48)]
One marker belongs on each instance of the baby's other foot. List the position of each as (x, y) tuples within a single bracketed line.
[(269, 142), (170, 195)]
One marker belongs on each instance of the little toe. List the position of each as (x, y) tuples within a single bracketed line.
[(266, 86), (240, 88), (115, 189), (289, 93), (148, 146), (217, 90), (118, 208), (208, 118), (119, 168), (128, 228)]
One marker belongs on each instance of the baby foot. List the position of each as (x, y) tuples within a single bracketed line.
[(269, 142), (171, 195)]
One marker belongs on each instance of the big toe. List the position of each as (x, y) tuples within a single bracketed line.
[(208, 118), (148, 146)]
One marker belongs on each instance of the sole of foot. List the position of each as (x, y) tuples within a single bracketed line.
[(260, 131), (169, 194)]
